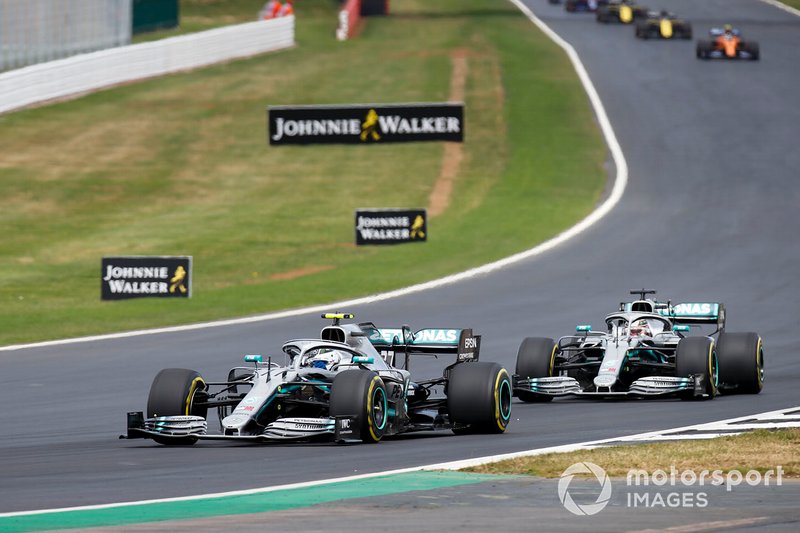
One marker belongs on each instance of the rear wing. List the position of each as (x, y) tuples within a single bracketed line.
[(462, 343), (695, 313)]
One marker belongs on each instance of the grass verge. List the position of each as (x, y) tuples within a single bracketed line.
[(180, 165), (761, 450), (792, 3)]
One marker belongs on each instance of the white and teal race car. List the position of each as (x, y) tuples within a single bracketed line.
[(353, 383), (645, 351)]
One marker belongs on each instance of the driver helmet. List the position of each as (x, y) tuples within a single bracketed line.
[(728, 29), (325, 358), (640, 328)]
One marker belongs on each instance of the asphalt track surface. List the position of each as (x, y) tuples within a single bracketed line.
[(709, 215)]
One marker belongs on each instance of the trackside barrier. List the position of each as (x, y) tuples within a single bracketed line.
[(89, 72), (349, 17)]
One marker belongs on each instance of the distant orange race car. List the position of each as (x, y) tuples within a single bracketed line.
[(727, 43)]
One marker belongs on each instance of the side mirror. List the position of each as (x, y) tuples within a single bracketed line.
[(363, 360), (680, 328)]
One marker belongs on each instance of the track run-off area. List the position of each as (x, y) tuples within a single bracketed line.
[(707, 214)]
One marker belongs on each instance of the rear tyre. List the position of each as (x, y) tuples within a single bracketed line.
[(176, 392), (535, 359), (698, 355), (361, 393), (479, 397), (741, 362), (686, 33)]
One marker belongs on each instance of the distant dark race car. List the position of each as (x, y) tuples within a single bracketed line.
[(577, 6), (663, 25), (624, 12)]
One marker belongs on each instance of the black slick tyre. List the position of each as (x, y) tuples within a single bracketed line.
[(698, 355), (741, 362), (361, 393), (479, 397), (752, 49), (535, 359), (703, 49), (176, 392)]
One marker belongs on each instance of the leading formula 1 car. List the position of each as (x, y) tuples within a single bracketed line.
[(663, 25), (727, 43), (623, 11), (644, 352), (343, 387)]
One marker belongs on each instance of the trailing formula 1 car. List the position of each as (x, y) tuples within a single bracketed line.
[(663, 25), (623, 11), (643, 353), (727, 43), (342, 387), (576, 6)]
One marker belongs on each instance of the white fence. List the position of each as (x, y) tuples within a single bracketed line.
[(34, 31), (89, 72)]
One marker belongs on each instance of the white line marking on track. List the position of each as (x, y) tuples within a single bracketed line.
[(620, 182)]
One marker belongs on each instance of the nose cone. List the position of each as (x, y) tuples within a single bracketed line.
[(605, 380)]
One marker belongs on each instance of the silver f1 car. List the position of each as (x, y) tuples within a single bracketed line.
[(343, 386), (643, 353)]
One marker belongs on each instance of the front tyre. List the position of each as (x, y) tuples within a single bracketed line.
[(535, 359), (703, 49), (479, 397), (752, 49), (741, 362), (177, 392), (698, 355), (361, 393)]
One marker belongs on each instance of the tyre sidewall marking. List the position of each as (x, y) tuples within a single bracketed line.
[(501, 382), (760, 364), (370, 396), (192, 390), (711, 377)]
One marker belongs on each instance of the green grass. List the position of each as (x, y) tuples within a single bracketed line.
[(760, 450), (793, 3), (180, 165)]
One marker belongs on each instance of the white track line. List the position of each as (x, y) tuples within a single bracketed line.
[(782, 6), (620, 182), (451, 465)]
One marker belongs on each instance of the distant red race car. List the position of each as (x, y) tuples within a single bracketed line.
[(727, 43)]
